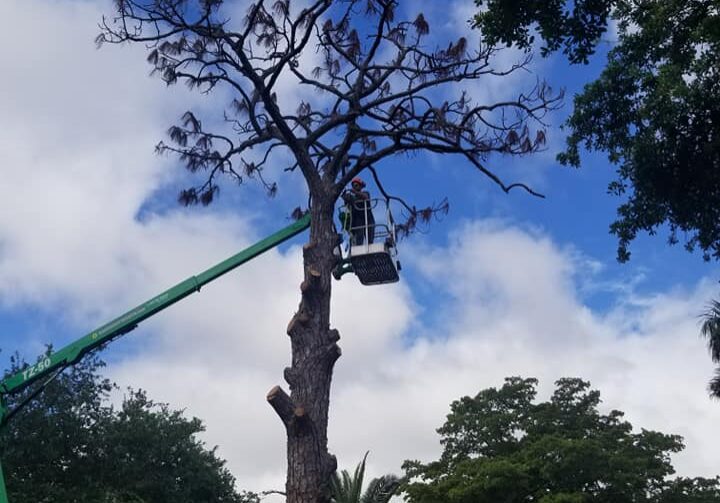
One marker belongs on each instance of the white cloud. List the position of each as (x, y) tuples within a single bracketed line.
[(76, 156), (512, 308)]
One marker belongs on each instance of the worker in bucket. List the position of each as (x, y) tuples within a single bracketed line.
[(362, 221)]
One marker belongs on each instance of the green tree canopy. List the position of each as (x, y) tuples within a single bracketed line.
[(69, 445), (573, 27), (502, 447), (655, 109)]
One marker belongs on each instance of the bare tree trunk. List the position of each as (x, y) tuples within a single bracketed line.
[(314, 352)]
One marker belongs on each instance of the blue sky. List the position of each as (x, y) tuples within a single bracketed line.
[(503, 285)]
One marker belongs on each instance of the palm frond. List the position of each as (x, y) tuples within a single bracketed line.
[(381, 489), (714, 386), (358, 479), (346, 488), (711, 329), (340, 487)]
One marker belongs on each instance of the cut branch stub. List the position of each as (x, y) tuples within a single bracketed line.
[(300, 420), (282, 404), (308, 248), (301, 319), (291, 376), (328, 354), (292, 416), (312, 279)]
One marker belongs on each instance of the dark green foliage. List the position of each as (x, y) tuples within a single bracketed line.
[(697, 490), (69, 445), (655, 109), (573, 26), (711, 331), (501, 447)]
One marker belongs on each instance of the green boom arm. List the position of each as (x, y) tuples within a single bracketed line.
[(73, 352), (123, 324)]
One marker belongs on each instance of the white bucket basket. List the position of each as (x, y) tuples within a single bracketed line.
[(372, 249)]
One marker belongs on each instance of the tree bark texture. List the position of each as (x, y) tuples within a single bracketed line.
[(314, 352)]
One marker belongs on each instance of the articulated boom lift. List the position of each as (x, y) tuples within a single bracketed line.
[(50, 367)]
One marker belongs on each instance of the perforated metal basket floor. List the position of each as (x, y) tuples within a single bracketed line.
[(375, 268)]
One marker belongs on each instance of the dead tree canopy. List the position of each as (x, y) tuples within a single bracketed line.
[(385, 87)]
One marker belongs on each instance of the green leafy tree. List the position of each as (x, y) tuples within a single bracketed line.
[(572, 27), (68, 445), (502, 447), (346, 488), (654, 109)]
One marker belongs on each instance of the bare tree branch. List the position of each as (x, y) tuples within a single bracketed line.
[(384, 83)]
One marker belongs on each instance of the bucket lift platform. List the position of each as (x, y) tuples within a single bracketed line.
[(374, 264), (374, 259)]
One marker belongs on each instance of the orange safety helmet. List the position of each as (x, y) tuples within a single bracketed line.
[(357, 180)]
